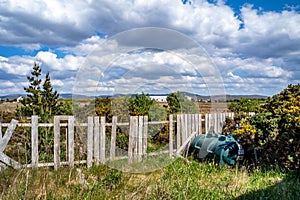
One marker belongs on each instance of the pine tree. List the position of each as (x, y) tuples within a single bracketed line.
[(41, 99), (50, 99), (32, 103), (179, 103)]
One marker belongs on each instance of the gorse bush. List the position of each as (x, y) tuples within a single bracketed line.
[(278, 129), (275, 130)]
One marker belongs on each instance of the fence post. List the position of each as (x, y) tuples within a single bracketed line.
[(90, 142), (189, 125), (170, 135), (113, 138), (130, 140), (34, 141), (184, 127), (145, 137), (132, 145), (140, 138), (102, 140), (96, 139), (207, 122), (0, 130), (56, 142), (178, 134), (71, 140), (200, 123)]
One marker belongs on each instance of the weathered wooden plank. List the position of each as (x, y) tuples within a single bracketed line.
[(182, 127), (0, 130), (8, 133), (140, 138), (90, 142), (136, 132), (185, 127), (131, 139), (200, 124), (189, 124), (192, 130), (4, 141), (185, 144), (145, 137), (102, 139), (9, 161), (214, 122), (178, 133), (56, 142), (217, 124), (196, 119), (132, 150), (171, 135), (96, 140), (34, 141), (71, 125), (113, 138), (206, 122)]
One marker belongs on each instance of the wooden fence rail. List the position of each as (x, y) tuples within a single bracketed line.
[(98, 148)]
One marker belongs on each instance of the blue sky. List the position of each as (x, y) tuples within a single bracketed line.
[(254, 44), (276, 5)]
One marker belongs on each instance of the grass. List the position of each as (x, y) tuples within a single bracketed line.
[(180, 180)]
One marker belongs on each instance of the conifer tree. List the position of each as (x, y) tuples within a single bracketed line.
[(32, 103), (50, 99), (41, 99)]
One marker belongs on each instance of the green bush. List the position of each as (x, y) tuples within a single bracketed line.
[(277, 125), (278, 128)]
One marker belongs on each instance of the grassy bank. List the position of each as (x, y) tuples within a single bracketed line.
[(179, 180)]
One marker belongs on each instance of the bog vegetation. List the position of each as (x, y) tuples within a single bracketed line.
[(270, 138)]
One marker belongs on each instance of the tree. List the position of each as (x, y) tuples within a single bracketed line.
[(277, 130), (41, 99), (140, 104), (179, 103), (244, 105), (32, 104), (103, 108)]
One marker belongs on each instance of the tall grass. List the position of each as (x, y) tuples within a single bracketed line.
[(180, 180)]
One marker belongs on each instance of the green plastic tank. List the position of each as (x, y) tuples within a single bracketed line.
[(223, 147)]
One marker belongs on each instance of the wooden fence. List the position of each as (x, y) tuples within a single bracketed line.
[(100, 149)]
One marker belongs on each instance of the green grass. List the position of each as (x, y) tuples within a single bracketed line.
[(180, 180)]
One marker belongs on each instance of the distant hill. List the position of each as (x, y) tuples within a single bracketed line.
[(254, 96), (12, 96), (199, 97)]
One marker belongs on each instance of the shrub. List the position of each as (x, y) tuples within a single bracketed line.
[(277, 130)]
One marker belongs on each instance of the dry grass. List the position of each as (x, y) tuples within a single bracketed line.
[(9, 107), (180, 180)]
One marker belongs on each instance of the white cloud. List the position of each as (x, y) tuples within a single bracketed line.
[(265, 50), (16, 65), (69, 62), (58, 83)]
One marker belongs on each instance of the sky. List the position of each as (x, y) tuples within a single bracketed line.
[(104, 47)]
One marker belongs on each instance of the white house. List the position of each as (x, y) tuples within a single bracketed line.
[(20, 98), (159, 98)]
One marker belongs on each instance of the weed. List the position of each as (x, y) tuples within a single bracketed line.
[(179, 180)]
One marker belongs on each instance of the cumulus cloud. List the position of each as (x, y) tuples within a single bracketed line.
[(251, 49), (69, 62)]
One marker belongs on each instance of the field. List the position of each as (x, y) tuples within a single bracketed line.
[(183, 179), (9, 106), (180, 180)]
